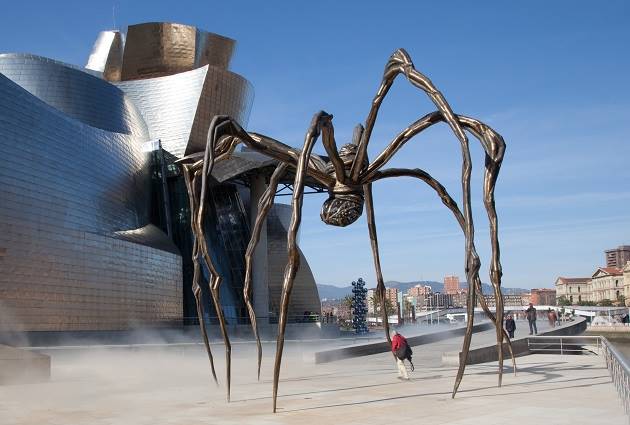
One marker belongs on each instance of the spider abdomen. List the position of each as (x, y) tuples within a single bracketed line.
[(343, 207)]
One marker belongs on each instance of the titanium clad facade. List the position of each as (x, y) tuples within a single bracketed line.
[(168, 106), (83, 206), (74, 92), (157, 49), (304, 296), (107, 55), (65, 188), (178, 108), (224, 93)]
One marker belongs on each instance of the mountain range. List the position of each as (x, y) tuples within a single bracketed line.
[(331, 292)]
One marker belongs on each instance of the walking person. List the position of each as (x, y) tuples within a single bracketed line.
[(402, 352), (552, 318), (530, 314), (510, 326)]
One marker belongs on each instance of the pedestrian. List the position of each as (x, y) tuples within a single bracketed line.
[(551, 318), (530, 314), (510, 325), (402, 352)]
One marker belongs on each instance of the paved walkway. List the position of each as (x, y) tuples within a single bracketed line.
[(173, 387)]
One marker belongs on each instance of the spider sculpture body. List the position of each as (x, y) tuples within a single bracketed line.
[(349, 176)]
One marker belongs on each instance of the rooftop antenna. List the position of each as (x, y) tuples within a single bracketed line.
[(114, 15)]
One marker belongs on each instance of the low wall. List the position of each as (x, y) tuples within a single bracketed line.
[(174, 334), (614, 332), (20, 366), (519, 346), (384, 346)]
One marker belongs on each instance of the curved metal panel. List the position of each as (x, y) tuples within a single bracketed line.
[(107, 54), (168, 106), (56, 170), (64, 188), (69, 280), (157, 49), (224, 93), (304, 296), (77, 94), (240, 163), (178, 108), (213, 49)]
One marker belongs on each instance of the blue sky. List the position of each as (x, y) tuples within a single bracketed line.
[(551, 77)]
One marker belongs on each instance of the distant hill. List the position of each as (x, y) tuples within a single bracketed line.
[(331, 292)]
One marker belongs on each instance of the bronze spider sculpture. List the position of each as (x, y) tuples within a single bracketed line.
[(348, 175)]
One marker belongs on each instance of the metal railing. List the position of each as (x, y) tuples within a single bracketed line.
[(616, 363), (619, 372), (564, 344)]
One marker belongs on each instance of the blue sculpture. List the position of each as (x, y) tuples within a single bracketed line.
[(359, 307)]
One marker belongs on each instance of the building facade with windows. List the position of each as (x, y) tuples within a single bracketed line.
[(607, 284), (543, 296), (451, 285), (617, 257), (573, 289)]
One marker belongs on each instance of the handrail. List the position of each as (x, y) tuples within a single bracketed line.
[(616, 363), (619, 372)]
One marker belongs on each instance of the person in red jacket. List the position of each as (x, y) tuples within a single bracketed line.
[(401, 351)]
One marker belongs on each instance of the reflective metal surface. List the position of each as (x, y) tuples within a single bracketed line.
[(349, 177), (66, 189), (74, 170), (107, 55), (305, 296), (157, 49), (168, 106), (74, 92), (178, 108), (224, 93)]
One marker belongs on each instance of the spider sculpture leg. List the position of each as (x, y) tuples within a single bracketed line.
[(493, 319), (493, 164), (400, 63), (264, 205), (224, 135), (380, 285), (452, 205), (494, 147), (214, 276), (319, 120), (196, 288)]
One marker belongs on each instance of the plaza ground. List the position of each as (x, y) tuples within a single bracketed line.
[(172, 385)]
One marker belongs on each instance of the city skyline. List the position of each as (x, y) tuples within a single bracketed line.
[(550, 80)]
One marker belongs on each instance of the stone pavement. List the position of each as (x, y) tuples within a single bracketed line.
[(172, 386)]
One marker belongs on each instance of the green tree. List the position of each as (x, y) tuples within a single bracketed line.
[(347, 302), (605, 303), (376, 300), (345, 319), (563, 301)]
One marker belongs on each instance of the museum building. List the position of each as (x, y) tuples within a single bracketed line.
[(94, 214)]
